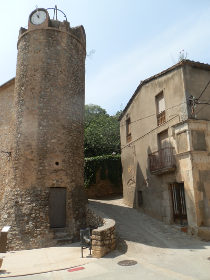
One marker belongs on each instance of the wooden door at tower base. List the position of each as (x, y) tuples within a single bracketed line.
[(178, 202), (57, 207)]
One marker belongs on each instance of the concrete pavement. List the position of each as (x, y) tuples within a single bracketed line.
[(161, 252), (28, 262), (157, 246)]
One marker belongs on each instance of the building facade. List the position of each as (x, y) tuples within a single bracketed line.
[(165, 143), (42, 196)]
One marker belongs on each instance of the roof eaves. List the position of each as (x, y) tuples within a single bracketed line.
[(175, 66), (147, 81), (7, 83)]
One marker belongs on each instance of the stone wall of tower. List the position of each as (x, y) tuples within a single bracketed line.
[(48, 133)]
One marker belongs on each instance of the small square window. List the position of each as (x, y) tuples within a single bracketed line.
[(198, 140)]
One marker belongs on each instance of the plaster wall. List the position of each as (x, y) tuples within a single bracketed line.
[(189, 137), (200, 161), (196, 79), (144, 130)]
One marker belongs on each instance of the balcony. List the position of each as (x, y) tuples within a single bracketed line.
[(162, 161)]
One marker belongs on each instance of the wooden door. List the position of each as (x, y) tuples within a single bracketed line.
[(57, 207)]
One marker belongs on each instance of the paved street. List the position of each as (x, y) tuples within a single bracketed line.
[(158, 247), (161, 251)]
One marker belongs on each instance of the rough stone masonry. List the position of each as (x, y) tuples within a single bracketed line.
[(42, 171)]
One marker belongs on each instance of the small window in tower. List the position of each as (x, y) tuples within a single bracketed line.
[(160, 107), (128, 129)]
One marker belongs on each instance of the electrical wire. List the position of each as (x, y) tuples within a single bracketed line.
[(142, 136), (203, 90), (203, 103), (200, 103), (153, 114)]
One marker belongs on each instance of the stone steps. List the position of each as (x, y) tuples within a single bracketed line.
[(62, 236), (64, 240)]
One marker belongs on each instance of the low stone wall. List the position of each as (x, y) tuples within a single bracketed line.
[(104, 239), (104, 236)]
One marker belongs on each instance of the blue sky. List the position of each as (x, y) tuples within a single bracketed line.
[(130, 40)]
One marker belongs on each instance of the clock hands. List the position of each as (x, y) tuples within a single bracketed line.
[(38, 17)]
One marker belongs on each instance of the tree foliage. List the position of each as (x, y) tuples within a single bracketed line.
[(109, 166), (102, 132)]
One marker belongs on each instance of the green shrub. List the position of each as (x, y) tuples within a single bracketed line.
[(109, 166)]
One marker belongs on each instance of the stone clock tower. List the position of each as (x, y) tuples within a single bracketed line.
[(46, 202)]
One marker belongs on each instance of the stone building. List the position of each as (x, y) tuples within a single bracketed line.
[(42, 114), (165, 142)]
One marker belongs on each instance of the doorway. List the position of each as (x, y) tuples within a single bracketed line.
[(163, 140), (57, 207), (178, 203)]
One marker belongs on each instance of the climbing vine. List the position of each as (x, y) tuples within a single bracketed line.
[(109, 166)]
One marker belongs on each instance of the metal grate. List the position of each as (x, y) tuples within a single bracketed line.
[(127, 263), (178, 201)]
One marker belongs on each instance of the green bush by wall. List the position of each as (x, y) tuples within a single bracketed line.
[(109, 166)]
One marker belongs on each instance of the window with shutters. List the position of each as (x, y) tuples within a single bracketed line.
[(160, 107), (128, 129)]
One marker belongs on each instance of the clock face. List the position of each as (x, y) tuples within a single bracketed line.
[(38, 17)]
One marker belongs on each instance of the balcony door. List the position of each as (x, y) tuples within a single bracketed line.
[(163, 140), (165, 149)]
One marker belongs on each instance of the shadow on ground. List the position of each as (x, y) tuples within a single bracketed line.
[(135, 226)]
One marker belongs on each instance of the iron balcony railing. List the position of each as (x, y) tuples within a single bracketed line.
[(162, 161)]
